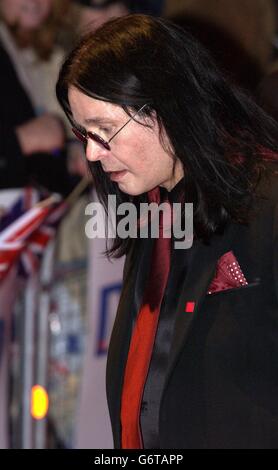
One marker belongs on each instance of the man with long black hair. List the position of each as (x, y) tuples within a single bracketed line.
[(192, 360)]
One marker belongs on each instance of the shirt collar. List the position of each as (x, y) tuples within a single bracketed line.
[(175, 194)]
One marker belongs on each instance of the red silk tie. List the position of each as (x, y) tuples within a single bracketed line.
[(143, 338)]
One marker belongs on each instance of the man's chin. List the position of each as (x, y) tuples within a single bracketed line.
[(130, 191)]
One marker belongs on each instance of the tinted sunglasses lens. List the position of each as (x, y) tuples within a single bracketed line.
[(79, 136), (99, 140)]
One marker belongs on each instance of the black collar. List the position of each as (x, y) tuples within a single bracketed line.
[(175, 194)]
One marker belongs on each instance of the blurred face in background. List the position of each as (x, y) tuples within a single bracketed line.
[(25, 14), (92, 18)]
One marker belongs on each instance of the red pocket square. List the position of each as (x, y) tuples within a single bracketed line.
[(228, 274)]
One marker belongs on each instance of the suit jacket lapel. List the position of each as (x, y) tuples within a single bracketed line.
[(200, 273)]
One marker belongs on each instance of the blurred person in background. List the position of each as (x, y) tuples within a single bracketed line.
[(97, 12), (239, 34), (85, 15), (228, 53), (103, 10), (32, 133)]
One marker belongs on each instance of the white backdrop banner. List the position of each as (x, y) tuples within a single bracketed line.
[(93, 430)]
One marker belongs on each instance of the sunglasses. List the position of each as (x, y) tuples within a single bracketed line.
[(85, 136)]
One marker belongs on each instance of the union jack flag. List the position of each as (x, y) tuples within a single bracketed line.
[(25, 234)]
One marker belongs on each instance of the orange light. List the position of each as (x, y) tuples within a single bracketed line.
[(39, 402)]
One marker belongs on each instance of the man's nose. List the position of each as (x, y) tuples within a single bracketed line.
[(95, 151)]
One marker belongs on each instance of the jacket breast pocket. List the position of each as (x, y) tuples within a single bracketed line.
[(238, 290), (241, 304)]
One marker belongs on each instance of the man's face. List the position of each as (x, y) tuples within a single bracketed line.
[(27, 14), (137, 162)]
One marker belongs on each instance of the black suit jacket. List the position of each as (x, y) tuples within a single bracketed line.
[(221, 388), (16, 170)]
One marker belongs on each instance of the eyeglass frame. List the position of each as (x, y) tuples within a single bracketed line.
[(84, 137)]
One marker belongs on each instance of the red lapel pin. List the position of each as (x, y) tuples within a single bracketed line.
[(189, 307)]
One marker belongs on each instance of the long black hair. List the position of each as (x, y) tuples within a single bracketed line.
[(218, 133)]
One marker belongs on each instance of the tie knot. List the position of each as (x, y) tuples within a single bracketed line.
[(158, 195)]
